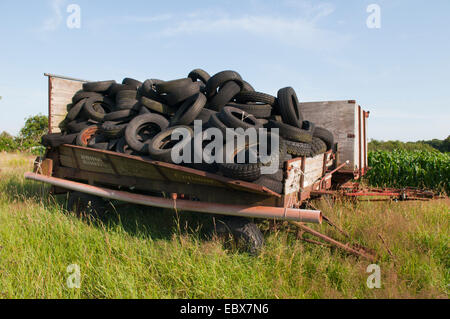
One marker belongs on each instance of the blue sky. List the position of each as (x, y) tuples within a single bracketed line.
[(324, 49)]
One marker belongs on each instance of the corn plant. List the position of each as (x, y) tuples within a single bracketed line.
[(400, 168)]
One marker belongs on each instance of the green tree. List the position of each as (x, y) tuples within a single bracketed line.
[(7, 142), (30, 135)]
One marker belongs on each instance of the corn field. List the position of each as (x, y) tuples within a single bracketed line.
[(400, 168)]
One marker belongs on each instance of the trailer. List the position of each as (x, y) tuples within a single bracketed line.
[(140, 180)]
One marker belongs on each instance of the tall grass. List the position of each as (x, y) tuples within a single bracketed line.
[(141, 252)]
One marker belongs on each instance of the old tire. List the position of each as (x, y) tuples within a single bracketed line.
[(154, 122), (270, 183), (82, 204), (100, 86), (241, 233), (292, 133), (189, 110), (160, 147), (325, 135), (289, 107)]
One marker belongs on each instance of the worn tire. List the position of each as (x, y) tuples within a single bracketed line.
[(289, 107), (100, 86), (76, 109), (245, 234), (270, 183), (219, 79), (182, 94), (318, 146), (81, 95), (292, 133), (132, 82), (236, 118), (199, 74), (156, 106), (260, 111), (157, 146), (298, 149), (82, 204), (325, 135), (256, 97), (113, 129), (189, 110), (226, 93), (171, 86), (158, 123), (96, 109), (120, 116)]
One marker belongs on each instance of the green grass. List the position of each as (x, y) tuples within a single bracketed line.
[(149, 253)]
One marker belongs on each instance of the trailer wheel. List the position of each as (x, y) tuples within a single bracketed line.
[(86, 205), (240, 233)]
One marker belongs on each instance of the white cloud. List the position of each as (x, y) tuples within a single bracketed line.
[(298, 32), (52, 23)]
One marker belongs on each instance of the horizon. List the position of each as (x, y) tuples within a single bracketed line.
[(325, 50)]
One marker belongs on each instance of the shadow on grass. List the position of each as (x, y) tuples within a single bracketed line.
[(135, 220)]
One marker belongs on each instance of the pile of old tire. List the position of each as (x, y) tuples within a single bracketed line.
[(138, 118)]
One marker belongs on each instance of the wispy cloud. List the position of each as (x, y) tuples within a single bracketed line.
[(303, 33), (52, 23)]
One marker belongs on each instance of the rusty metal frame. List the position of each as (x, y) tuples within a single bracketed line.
[(278, 213)]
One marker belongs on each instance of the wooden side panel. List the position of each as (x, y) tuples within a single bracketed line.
[(313, 170), (61, 92), (341, 118)]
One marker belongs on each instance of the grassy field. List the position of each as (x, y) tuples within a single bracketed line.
[(150, 253)]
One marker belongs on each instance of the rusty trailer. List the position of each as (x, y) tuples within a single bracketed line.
[(140, 180)]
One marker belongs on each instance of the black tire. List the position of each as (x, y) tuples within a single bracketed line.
[(258, 110), (128, 104), (78, 125), (101, 86), (57, 139), (219, 80), (81, 95), (86, 135), (242, 232), (199, 74), (171, 86), (96, 109), (127, 95), (113, 129), (132, 82), (205, 115), (246, 87), (189, 110), (278, 176), (76, 109), (257, 97), (120, 116), (123, 148), (292, 133), (236, 118), (82, 204), (214, 121), (325, 135), (318, 147), (182, 94), (157, 124), (226, 93), (160, 147), (156, 106), (116, 88), (270, 183), (299, 149), (289, 107)]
